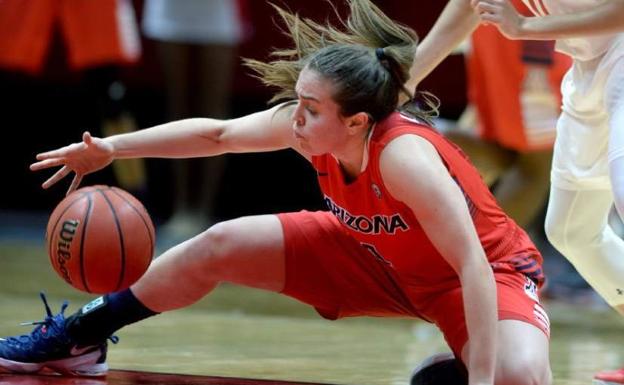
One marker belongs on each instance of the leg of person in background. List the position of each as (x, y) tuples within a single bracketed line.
[(522, 191), (576, 224), (520, 181), (198, 82), (614, 101), (175, 60), (109, 92), (215, 72), (489, 158)]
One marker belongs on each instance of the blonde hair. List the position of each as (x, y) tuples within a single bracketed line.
[(368, 60)]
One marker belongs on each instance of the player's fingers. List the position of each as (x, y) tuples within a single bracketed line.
[(75, 183), (476, 3), (60, 174), (46, 164), (61, 152), (487, 8), (488, 18), (86, 137)]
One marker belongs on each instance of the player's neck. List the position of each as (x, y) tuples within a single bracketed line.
[(354, 157)]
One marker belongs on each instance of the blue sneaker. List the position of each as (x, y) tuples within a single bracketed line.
[(49, 346)]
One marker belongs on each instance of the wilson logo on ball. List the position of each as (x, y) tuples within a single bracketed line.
[(63, 249)]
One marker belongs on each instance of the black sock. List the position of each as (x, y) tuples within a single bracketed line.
[(100, 318)]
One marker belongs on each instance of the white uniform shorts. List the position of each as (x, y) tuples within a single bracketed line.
[(585, 143)]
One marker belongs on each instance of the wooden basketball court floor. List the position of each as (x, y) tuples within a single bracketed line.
[(240, 336)]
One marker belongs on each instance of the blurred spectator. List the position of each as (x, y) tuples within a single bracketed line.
[(98, 37), (197, 42)]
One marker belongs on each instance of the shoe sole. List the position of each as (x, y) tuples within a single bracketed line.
[(602, 382), (434, 359), (82, 366)]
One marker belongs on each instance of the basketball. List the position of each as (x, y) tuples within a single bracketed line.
[(100, 239)]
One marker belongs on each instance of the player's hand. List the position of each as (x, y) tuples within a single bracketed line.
[(82, 158), (411, 86), (502, 14)]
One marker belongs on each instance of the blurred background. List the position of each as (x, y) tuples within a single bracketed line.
[(120, 65), (184, 61)]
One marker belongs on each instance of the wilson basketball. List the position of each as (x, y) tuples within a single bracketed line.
[(100, 239)]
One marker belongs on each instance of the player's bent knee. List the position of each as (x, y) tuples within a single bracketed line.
[(555, 233), (216, 246), (572, 243), (524, 372)]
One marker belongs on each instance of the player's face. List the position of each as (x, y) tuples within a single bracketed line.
[(317, 123)]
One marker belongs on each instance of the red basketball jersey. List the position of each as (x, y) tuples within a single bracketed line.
[(388, 228)]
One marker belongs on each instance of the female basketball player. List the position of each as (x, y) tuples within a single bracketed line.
[(588, 163), (411, 228)]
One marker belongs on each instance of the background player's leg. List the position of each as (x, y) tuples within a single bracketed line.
[(523, 190), (614, 95), (577, 225), (490, 159)]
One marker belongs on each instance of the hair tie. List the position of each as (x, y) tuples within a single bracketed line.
[(380, 53)]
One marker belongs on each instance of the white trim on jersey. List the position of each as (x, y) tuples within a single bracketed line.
[(536, 6)]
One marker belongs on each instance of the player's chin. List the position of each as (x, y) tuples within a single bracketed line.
[(314, 152)]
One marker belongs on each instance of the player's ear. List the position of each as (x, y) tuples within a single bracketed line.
[(357, 122)]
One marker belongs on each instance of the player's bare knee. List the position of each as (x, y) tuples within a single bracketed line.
[(523, 372), (523, 375), (221, 243)]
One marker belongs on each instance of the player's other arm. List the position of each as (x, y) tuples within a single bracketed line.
[(456, 22), (414, 174), (607, 17)]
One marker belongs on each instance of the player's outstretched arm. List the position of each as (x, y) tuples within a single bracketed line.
[(453, 26), (263, 131), (606, 17)]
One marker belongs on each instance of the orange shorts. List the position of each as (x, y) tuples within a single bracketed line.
[(95, 32), (328, 269)]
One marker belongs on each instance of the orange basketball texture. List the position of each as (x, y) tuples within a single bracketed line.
[(100, 239)]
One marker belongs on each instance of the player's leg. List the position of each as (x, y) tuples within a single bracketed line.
[(522, 359), (614, 101), (523, 190), (522, 355), (581, 197), (577, 225), (522, 344), (523, 333), (247, 251), (215, 67), (489, 158)]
